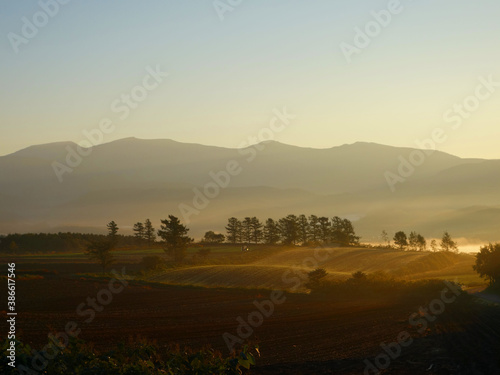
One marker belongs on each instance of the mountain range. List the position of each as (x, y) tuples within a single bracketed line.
[(131, 179)]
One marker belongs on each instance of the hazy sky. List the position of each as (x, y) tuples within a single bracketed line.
[(226, 77)]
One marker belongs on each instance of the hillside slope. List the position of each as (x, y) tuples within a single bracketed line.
[(288, 269)]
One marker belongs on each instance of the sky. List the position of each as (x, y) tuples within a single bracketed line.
[(231, 64)]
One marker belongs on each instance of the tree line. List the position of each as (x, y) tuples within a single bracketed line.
[(54, 242), (292, 230), (416, 242)]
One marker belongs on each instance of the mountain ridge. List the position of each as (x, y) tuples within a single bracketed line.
[(274, 179)]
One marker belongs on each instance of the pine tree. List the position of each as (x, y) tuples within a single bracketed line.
[(246, 229), (139, 230), (303, 229), (174, 236), (256, 230), (288, 227), (447, 244), (149, 232), (233, 229), (271, 232)]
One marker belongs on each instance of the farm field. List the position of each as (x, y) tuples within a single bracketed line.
[(323, 335), (272, 267), (280, 269), (197, 303)]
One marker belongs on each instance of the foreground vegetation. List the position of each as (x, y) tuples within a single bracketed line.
[(134, 358)]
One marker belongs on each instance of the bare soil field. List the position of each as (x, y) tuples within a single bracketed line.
[(306, 334)]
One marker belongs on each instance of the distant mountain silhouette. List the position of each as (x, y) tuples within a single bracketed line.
[(130, 180)]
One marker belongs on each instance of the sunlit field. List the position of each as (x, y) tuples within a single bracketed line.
[(197, 302)]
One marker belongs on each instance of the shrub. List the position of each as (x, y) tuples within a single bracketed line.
[(315, 278), (152, 262), (141, 357)]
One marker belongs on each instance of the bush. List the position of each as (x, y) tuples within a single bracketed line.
[(315, 278), (152, 262), (140, 357), (380, 284)]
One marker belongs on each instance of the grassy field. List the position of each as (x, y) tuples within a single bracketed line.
[(272, 267), (280, 268)]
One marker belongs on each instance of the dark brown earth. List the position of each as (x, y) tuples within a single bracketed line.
[(304, 335)]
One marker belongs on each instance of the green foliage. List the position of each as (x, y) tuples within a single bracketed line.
[(137, 358)]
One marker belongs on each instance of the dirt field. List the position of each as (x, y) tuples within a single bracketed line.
[(304, 335)]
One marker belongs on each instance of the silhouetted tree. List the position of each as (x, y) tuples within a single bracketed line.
[(112, 229), (139, 230), (447, 244), (303, 229), (412, 241), (233, 229), (149, 232), (324, 229), (400, 240), (288, 227), (255, 230), (246, 229), (384, 236), (314, 229), (315, 278), (271, 232), (488, 262), (174, 236), (434, 246), (359, 275), (113, 233), (421, 243), (100, 251), (212, 237), (342, 232)]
